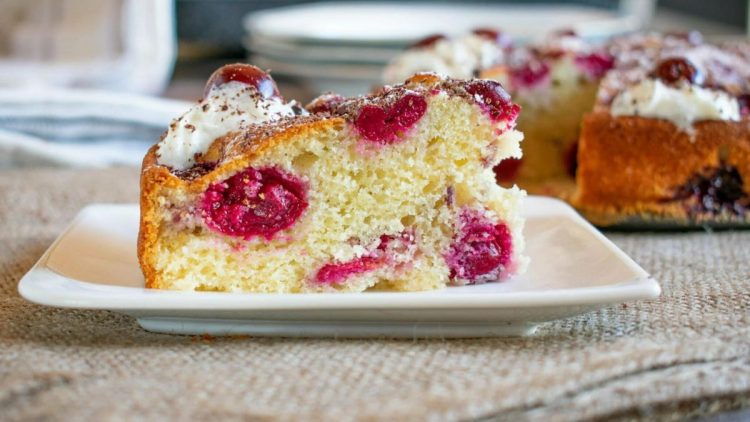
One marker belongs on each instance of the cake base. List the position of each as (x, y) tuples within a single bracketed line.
[(649, 170)]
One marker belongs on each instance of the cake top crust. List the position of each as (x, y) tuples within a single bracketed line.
[(409, 98)]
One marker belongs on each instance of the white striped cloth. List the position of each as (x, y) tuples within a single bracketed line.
[(80, 128)]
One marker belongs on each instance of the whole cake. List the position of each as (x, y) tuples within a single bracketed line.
[(668, 141), (643, 129), (395, 190)]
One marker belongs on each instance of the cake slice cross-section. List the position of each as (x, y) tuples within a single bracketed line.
[(249, 193)]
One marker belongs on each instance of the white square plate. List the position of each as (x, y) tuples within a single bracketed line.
[(574, 269)]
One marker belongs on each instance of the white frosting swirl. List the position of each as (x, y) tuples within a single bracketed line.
[(454, 57), (682, 105), (227, 108)]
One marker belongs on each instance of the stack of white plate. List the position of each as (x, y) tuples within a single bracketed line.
[(343, 47)]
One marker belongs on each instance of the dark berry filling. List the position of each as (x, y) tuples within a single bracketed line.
[(744, 102), (246, 74), (493, 99), (570, 159), (532, 74), (595, 65), (386, 126), (428, 41), (338, 272), (498, 37), (674, 70), (481, 250), (507, 170), (715, 191), (254, 203)]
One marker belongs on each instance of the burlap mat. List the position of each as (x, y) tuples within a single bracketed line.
[(686, 354)]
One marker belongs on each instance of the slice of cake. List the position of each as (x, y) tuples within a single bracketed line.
[(669, 139), (249, 193), (555, 81)]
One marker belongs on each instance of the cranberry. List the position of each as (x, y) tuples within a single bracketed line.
[(254, 203), (676, 69), (500, 38), (493, 99), (570, 159), (744, 101), (335, 273), (386, 126), (596, 64), (245, 73), (531, 74), (325, 103), (428, 41), (481, 250), (715, 190), (507, 170)]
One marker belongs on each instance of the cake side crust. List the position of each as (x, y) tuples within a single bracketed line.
[(157, 179), (633, 166)]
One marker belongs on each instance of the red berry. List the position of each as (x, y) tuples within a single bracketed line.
[(744, 101), (507, 170), (530, 75), (428, 41), (677, 69), (386, 126), (500, 38), (493, 99), (336, 273), (245, 73), (570, 159), (481, 251), (325, 103), (596, 64), (254, 203), (718, 190)]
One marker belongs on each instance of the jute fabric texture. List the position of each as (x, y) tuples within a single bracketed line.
[(683, 355)]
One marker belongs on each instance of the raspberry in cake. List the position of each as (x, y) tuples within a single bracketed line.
[(394, 190)]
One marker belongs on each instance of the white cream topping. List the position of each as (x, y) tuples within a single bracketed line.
[(562, 43), (682, 105), (227, 108), (454, 57)]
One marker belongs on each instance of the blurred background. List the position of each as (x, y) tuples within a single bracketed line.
[(95, 82)]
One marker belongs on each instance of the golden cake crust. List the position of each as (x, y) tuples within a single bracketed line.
[(631, 166)]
